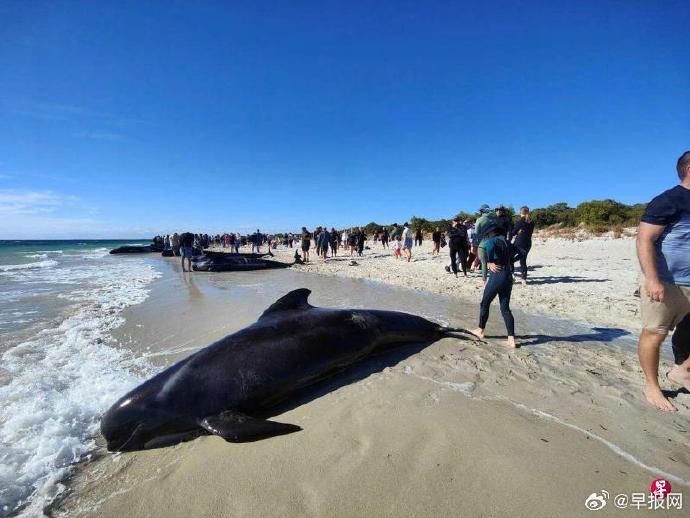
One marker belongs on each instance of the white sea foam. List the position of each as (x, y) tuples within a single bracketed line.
[(28, 266), (96, 253), (37, 256), (62, 380)]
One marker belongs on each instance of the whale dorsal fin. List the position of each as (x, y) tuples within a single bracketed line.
[(296, 299)]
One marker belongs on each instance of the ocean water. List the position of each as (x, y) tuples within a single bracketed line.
[(59, 365)]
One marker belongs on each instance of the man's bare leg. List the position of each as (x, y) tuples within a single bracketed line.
[(648, 350)]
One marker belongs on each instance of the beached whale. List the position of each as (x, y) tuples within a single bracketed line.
[(225, 388), (135, 249), (235, 263)]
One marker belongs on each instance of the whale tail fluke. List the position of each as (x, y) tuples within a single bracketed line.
[(237, 427), (460, 332)]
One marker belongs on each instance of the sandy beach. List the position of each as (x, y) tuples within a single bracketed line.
[(456, 428)]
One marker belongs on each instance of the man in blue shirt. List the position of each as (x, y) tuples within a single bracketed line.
[(663, 248)]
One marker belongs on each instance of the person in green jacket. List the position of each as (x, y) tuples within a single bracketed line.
[(486, 217)]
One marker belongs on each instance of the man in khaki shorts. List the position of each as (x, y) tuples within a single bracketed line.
[(663, 248)]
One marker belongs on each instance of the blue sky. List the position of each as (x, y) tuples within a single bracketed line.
[(120, 119)]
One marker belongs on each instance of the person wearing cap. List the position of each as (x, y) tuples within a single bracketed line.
[(485, 218), (499, 261)]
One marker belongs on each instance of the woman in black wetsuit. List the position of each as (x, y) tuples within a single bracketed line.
[(500, 261)]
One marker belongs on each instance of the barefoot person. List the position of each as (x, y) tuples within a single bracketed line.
[(436, 238), (186, 250), (459, 246), (663, 248), (407, 241), (500, 282), (306, 243)]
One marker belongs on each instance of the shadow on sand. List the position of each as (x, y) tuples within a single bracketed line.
[(599, 334), (564, 279)]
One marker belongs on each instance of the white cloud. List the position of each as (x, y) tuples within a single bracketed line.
[(15, 202), (49, 215)]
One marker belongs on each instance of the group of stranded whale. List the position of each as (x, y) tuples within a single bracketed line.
[(207, 261), (230, 387)]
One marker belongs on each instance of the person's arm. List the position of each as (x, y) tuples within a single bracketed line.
[(490, 256), (647, 234)]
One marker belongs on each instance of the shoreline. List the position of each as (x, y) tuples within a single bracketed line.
[(458, 414)]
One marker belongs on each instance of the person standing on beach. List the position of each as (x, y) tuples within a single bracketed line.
[(306, 243), (459, 246), (335, 240), (499, 257), (186, 249), (324, 242), (663, 249), (482, 224), (361, 238), (522, 233), (470, 236), (418, 237), (317, 234), (407, 241), (384, 238), (238, 242), (257, 239), (436, 239), (175, 244)]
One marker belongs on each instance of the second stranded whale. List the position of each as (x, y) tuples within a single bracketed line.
[(221, 389)]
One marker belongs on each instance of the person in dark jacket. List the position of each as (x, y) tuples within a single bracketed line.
[(459, 246), (187, 249), (361, 238), (522, 234), (418, 237)]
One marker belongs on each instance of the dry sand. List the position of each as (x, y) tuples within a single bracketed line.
[(460, 428)]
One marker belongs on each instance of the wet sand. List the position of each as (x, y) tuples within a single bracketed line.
[(456, 428)]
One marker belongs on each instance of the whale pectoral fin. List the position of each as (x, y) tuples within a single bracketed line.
[(237, 427)]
